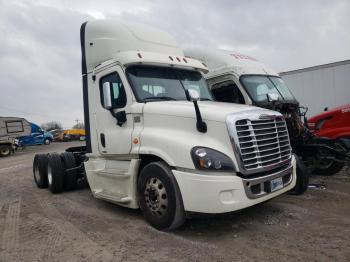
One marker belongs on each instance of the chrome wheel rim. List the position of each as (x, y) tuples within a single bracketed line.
[(49, 175), (156, 197)]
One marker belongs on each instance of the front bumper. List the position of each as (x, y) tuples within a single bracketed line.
[(220, 194)]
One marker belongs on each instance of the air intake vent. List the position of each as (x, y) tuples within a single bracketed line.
[(263, 143)]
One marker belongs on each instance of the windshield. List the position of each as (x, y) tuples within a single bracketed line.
[(259, 86), (152, 83)]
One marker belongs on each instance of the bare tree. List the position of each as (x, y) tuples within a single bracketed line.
[(52, 125), (79, 125)]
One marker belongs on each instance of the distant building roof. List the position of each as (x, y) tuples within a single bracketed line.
[(312, 68)]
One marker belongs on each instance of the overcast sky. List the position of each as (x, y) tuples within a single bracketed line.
[(40, 74)]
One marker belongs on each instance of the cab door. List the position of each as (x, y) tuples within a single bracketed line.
[(113, 138)]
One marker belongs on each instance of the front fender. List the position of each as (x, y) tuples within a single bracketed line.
[(172, 141)]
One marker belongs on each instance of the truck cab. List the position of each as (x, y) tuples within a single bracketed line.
[(157, 140), (38, 136)]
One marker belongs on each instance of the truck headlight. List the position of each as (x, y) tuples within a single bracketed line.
[(209, 159)]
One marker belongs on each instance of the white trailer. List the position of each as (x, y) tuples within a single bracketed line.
[(10, 129), (155, 138), (320, 87)]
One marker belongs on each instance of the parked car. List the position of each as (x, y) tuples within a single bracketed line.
[(38, 136)]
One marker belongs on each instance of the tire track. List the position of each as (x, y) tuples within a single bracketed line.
[(65, 232), (55, 234), (10, 237)]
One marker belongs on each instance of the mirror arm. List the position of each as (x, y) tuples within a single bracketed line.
[(120, 116), (201, 125)]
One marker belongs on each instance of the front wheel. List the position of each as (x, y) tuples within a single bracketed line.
[(302, 182), (159, 197), (47, 141)]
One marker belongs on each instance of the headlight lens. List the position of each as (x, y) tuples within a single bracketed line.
[(209, 159)]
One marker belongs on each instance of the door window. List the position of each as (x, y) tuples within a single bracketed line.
[(117, 90), (228, 92)]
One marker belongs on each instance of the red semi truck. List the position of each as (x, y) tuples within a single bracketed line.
[(334, 123)]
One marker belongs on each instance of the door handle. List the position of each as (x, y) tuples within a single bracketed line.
[(103, 139)]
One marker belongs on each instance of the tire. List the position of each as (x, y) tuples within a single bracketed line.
[(71, 177), (302, 182), (40, 170), (159, 197), (55, 173), (5, 150), (334, 168), (47, 141)]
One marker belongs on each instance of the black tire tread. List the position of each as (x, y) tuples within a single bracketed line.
[(302, 182), (41, 160), (176, 216), (70, 178), (57, 170)]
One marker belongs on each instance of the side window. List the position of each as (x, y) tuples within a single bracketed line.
[(227, 92), (117, 90)]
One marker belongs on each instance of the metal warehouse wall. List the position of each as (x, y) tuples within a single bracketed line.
[(320, 86)]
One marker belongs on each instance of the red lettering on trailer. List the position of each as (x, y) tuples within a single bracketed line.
[(239, 56)]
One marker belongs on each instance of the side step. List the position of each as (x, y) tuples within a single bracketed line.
[(113, 197)]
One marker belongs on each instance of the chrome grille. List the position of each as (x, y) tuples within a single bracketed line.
[(263, 143)]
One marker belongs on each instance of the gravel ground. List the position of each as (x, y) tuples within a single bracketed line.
[(73, 226)]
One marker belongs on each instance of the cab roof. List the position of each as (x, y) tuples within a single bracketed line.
[(223, 61), (130, 43)]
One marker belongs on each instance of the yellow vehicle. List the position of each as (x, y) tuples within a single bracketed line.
[(73, 134)]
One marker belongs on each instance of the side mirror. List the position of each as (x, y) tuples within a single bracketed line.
[(107, 98), (193, 95), (272, 97)]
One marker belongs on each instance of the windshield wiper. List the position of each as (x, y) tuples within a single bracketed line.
[(205, 99), (156, 98)]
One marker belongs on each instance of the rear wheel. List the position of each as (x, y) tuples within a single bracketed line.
[(159, 197), (5, 150), (302, 182), (40, 170), (55, 173), (70, 178)]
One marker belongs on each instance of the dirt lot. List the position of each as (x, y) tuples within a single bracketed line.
[(73, 226)]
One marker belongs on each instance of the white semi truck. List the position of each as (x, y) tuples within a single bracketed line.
[(242, 79), (155, 138)]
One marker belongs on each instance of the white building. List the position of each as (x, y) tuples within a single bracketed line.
[(320, 86)]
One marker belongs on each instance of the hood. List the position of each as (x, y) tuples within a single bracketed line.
[(330, 112), (210, 110)]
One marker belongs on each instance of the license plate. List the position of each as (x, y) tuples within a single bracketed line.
[(276, 184)]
